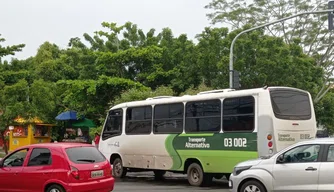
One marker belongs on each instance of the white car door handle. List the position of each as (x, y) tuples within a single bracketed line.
[(310, 169)]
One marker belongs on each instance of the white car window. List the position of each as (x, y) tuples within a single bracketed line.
[(304, 153), (330, 155)]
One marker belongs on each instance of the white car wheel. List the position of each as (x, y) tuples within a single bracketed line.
[(252, 186)]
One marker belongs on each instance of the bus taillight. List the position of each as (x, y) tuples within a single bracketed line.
[(270, 143)]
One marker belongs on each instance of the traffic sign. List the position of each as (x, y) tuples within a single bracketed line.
[(331, 15), (236, 79)]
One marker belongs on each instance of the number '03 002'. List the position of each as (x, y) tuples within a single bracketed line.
[(235, 142)]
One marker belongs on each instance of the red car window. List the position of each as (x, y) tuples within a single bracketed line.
[(40, 157), (16, 159)]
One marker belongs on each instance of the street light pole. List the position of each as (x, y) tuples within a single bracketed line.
[(264, 25)]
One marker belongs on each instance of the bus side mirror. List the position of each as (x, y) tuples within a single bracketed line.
[(280, 159)]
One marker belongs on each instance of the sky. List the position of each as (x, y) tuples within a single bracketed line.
[(33, 22)]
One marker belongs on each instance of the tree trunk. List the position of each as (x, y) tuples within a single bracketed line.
[(5, 147)]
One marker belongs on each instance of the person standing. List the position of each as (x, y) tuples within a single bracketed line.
[(97, 140)]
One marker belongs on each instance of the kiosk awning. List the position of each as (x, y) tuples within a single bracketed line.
[(84, 123)]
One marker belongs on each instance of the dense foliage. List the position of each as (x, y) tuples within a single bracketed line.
[(123, 63), (309, 31)]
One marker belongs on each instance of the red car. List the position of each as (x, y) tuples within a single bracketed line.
[(56, 167)]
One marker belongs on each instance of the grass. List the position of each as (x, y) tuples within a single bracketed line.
[(2, 155)]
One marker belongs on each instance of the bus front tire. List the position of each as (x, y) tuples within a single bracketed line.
[(197, 177), (118, 170)]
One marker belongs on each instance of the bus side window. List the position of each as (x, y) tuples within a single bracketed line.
[(203, 116), (113, 124), (138, 120), (238, 114), (168, 118)]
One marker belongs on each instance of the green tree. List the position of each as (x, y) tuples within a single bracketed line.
[(212, 47), (152, 59), (123, 63), (135, 94), (13, 102), (27, 101), (132, 63), (325, 112), (178, 65), (51, 64), (143, 93), (254, 54), (92, 97), (195, 90), (9, 50), (43, 100), (310, 30), (7, 109), (267, 60)]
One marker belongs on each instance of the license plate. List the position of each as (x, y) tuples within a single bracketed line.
[(95, 174)]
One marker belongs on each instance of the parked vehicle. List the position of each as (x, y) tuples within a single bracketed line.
[(56, 167), (304, 166)]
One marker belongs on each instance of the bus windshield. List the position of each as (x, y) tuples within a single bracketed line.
[(290, 104)]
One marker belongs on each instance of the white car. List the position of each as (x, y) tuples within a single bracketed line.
[(304, 166)]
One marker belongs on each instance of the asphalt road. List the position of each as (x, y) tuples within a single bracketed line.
[(142, 182)]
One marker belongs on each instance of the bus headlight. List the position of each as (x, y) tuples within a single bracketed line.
[(238, 170)]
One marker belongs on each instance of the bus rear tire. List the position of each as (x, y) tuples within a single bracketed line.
[(197, 177), (118, 170)]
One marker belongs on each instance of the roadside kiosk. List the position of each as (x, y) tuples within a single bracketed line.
[(78, 131), (25, 132)]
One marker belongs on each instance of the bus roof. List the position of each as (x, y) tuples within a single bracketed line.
[(213, 94)]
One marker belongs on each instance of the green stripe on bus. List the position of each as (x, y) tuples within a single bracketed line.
[(177, 163), (214, 161), (217, 152), (217, 141)]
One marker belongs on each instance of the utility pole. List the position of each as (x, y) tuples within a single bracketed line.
[(329, 11)]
